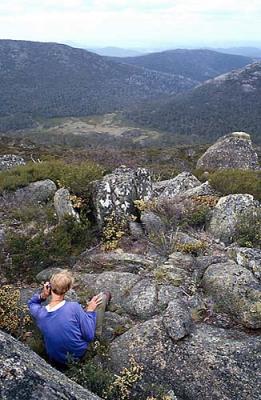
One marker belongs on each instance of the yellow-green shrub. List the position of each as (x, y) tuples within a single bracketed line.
[(75, 177), (14, 317), (237, 181)]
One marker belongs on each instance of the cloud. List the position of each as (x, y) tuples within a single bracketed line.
[(131, 22)]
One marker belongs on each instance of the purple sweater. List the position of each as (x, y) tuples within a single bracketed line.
[(66, 331)]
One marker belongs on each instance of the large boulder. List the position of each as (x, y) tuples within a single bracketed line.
[(24, 375), (116, 193), (36, 192), (210, 363), (176, 186), (63, 205), (236, 291), (228, 213), (8, 161), (231, 151)]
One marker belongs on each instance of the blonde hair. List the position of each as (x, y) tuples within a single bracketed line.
[(61, 282)]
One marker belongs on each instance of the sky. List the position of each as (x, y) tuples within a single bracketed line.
[(133, 23)]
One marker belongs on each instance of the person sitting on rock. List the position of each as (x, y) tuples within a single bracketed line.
[(66, 327)]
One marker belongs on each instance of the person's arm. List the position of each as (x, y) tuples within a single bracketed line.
[(87, 318), (34, 303)]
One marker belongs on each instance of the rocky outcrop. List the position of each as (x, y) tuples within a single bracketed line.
[(36, 192), (228, 212), (210, 363), (231, 151), (205, 189), (63, 205), (8, 161), (24, 375), (116, 193), (236, 291), (176, 186)]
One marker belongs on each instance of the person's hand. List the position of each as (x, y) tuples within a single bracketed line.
[(94, 303), (46, 291)]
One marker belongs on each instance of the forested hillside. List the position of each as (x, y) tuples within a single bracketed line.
[(48, 79), (228, 103), (198, 65)]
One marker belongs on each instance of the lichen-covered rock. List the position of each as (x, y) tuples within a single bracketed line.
[(63, 205), (116, 193), (177, 320), (36, 192), (176, 186), (227, 214), (231, 151), (118, 261), (136, 230), (142, 300), (176, 270), (46, 274), (248, 258), (115, 325), (8, 161), (210, 363), (24, 375), (236, 291), (118, 283), (203, 262), (205, 189)]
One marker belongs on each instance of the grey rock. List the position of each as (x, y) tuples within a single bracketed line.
[(176, 270), (113, 260), (24, 375), (227, 214), (236, 291), (166, 294), (177, 320), (36, 192), (63, 205), (46, 274), (118, 283), (248, 258), (142, 300), (176, 186), (8, 161), (231, 151), (152, 223), (136, 230), (203, 262), (116, 193), (2, 234), (205, 189), (115, 325), (211, 363), (183, 238)]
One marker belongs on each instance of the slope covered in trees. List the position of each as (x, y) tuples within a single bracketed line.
[(198, 65), (230, 102), (48, 79)]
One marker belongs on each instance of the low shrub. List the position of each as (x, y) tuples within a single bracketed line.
[(237, 181), (14, 317), (30, 254), (248, 230), (75, 177), (180, 212)]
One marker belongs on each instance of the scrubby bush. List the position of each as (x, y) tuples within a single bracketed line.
[(75, 177), (248, 230), (180, 212), (14, 317), (237, 181), (30, 254)]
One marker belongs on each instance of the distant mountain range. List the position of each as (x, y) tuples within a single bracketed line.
[(198, 65), (230, 102), (116, 52), (253, 52), (49, 80)]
